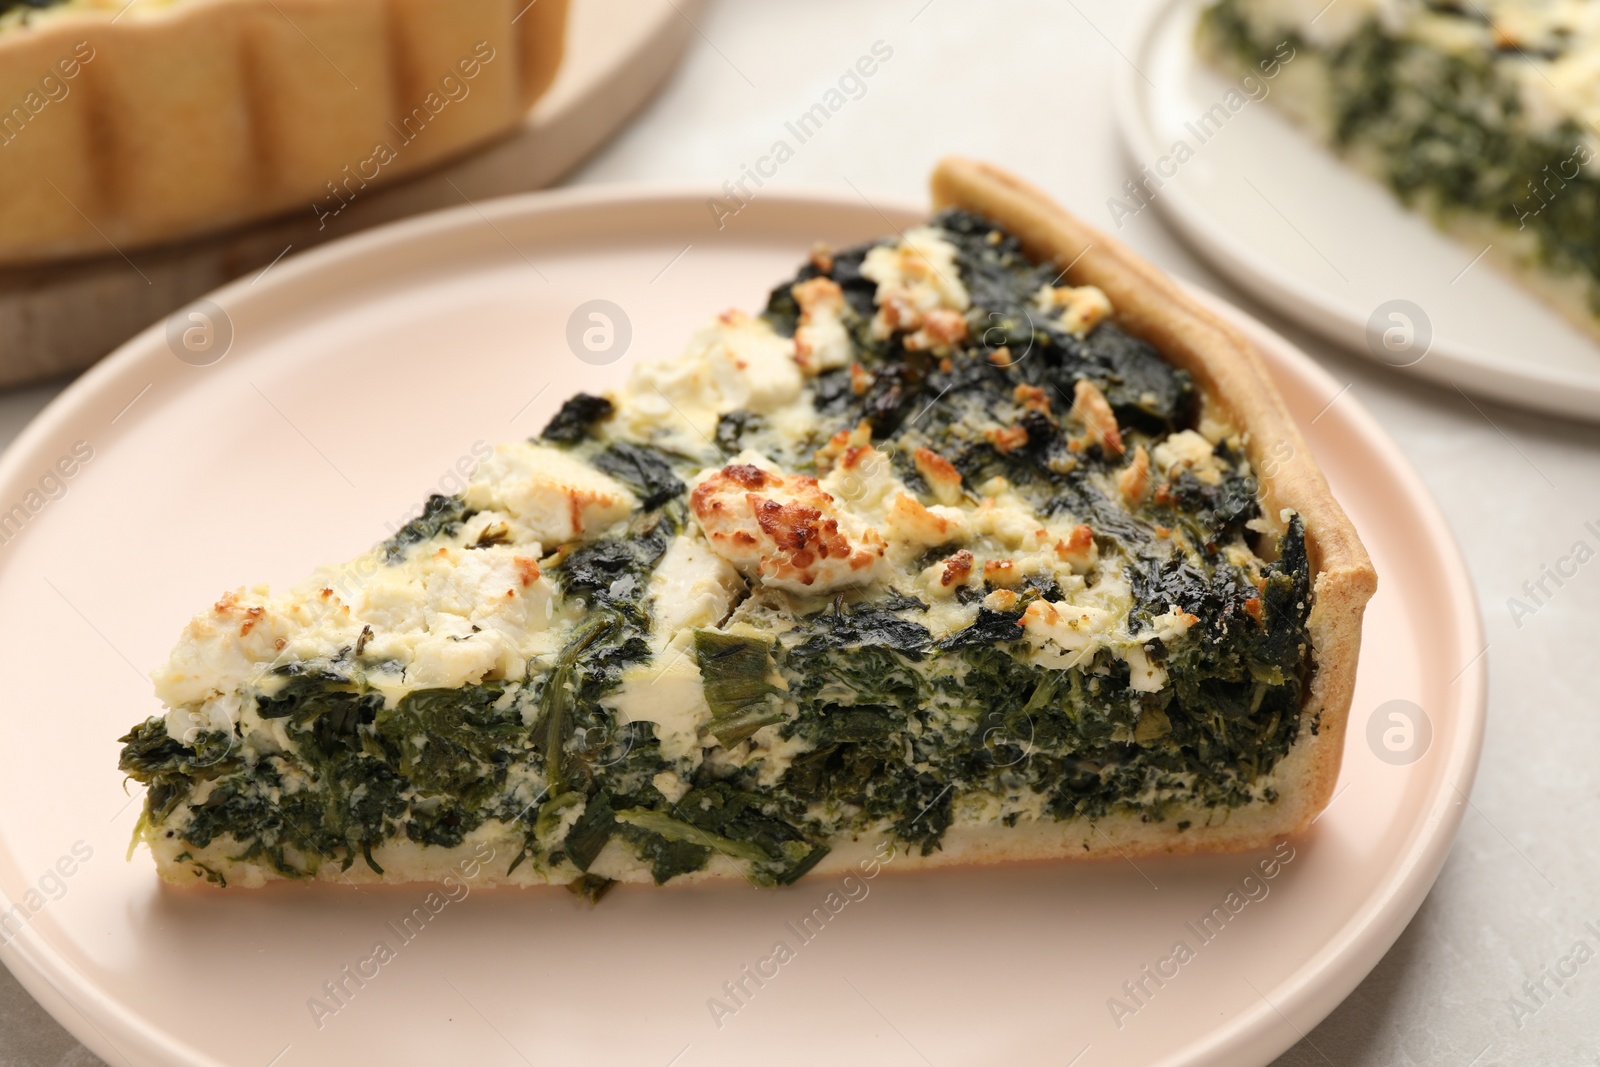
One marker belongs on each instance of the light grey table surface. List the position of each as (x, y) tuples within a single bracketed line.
[(1027, 84)]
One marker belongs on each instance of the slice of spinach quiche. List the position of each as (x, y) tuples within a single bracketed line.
[(948, 546), (1486, 115)]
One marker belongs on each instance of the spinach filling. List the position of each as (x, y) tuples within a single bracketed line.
[(1449, 133), (889, 725), (903, 727), (1011, 343)]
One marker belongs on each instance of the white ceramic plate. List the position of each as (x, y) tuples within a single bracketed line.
[(1282, 217), (358, 375)]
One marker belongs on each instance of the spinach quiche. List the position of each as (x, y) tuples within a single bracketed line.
[(982, 539), (1484, 115), (126, 123)]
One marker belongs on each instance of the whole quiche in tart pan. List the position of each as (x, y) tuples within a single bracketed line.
[(131, 123)]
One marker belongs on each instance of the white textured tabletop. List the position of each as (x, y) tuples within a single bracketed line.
[(1026, 83)]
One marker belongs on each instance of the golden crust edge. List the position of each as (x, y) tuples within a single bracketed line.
[(1232, 376)]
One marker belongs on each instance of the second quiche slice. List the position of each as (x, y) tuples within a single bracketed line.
[(1483, 114), (947, 547)]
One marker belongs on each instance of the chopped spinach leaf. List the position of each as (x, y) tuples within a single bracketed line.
[(441, 516), (591, 887), (644, 470), (734, 673), (572, 423), (592, 830), (988, 628), (733, 428)]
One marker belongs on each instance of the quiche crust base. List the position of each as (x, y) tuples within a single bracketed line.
[(1236, 387), (211, 113)]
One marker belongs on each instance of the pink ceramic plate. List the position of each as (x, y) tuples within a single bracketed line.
[(354, 380)]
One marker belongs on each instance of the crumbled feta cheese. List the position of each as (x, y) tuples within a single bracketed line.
[(821, 341), (1187, 451), (692, 587), (1066, 634), (735, 363), (864, 481), (670, 786), (909, 522), (1144, 676), (940, 474), (672, 697), (783, 528), (553, 494), (1080, 308), (919, 289), (446, 617)]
